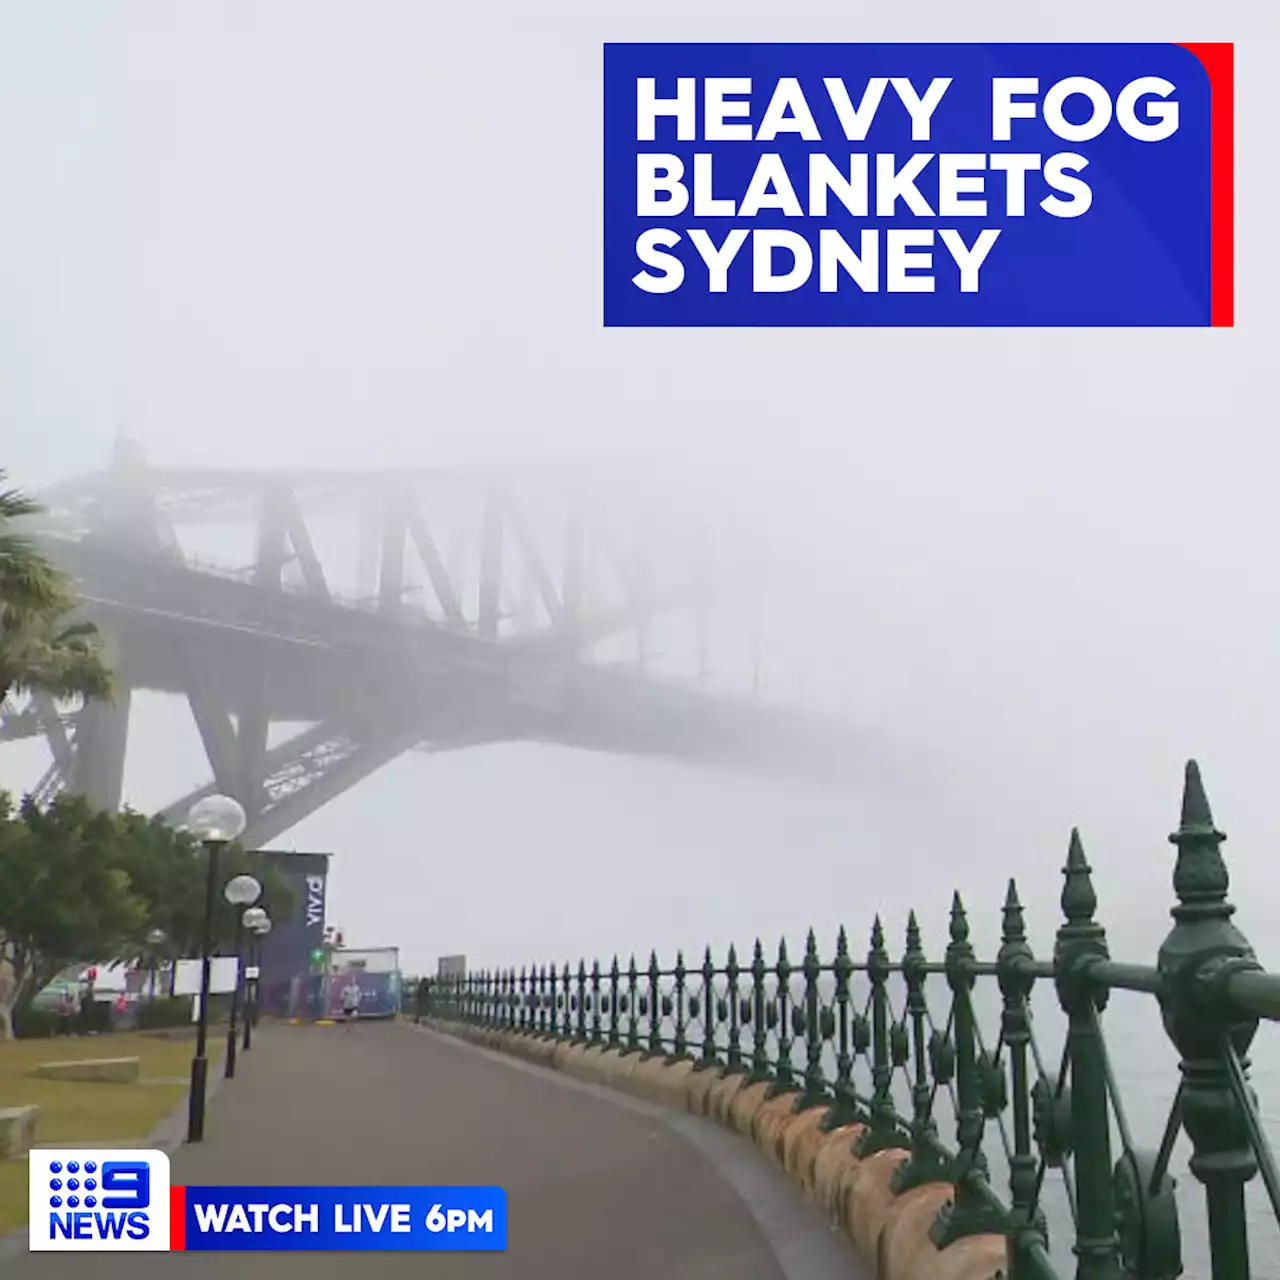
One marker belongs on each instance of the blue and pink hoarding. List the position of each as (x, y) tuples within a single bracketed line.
[(293, 984), (376, 971)]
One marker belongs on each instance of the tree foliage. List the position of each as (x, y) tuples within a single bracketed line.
[(82, 885), (168, 872), (43, 646)]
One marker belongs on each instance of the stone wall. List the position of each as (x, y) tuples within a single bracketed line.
[(890, 1232)]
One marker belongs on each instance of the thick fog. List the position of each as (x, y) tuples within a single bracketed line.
[(1034, 569)]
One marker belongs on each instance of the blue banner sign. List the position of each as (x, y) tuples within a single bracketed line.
[(370, 1219), (1085, 185)]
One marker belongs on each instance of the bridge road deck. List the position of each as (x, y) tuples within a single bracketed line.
[(596, 1185)]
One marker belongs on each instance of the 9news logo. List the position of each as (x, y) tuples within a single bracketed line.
[(97, 1201)]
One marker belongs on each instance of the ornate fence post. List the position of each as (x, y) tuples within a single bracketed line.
[(680, 1045), (633, 1007), (566, 999), (580, 1034), (971, 1212), (784, 1072), (553, 1005), (1202, 952), (614, 1042), (927, 1162), (884, 1131), (1027, 1221), (709, 1057), (595, 1002), (1081, 943), (542, 1001), (733, 1058), (760, 1025), (522, 1001), (655, 1007), (845, 1109), (817, 1030)]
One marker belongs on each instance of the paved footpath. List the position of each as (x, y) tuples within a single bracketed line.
[(597, 1184)]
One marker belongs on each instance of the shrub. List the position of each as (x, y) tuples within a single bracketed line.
[(166, 1012), (34, 1024)]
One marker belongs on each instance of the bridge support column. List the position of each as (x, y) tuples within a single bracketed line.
[(102, 737)]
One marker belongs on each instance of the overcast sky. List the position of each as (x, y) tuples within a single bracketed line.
[(1040, 564)]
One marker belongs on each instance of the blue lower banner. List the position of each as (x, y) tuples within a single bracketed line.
[(435, 1219)]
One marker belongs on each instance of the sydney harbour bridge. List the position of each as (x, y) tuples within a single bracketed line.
[(491, 604)]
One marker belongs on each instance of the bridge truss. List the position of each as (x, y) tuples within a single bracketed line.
[(490, 604)]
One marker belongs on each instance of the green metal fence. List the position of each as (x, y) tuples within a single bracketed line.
[(867, 1039)]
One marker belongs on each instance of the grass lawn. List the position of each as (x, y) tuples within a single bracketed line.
[(84, 1113)]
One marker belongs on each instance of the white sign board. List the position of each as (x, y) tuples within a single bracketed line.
[(250, 972), (222, 976), (452, 967)]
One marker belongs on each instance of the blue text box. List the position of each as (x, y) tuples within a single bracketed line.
[(375, 1219), (1136, 229)]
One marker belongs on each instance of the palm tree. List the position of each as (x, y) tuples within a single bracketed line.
[(42, 648), (27, 579)]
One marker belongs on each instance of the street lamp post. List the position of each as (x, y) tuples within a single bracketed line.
[(215, 821), (260, 927), (154, 941), (241, 891)]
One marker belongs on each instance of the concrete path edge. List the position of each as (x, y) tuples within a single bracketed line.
[(889, 1233), (805, 1245)]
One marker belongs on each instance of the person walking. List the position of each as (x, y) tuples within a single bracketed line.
[(88, 1009), (66, 1013), (351, 1001)]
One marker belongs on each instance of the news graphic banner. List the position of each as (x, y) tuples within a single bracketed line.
[(1080, 185), (123, 1201), (99, 1201)]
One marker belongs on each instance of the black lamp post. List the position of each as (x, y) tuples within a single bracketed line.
[(241, 891), (155, 940), (215, 821), (260, 928)]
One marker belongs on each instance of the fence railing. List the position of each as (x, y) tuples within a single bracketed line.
[(867, 1039)]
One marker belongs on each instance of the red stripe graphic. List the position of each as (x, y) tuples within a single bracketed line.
[(1218, 61), (177, 1218)]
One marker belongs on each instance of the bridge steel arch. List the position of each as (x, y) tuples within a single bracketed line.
[(484, 598)]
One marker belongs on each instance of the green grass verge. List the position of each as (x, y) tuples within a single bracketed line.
[(86, 1112)]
